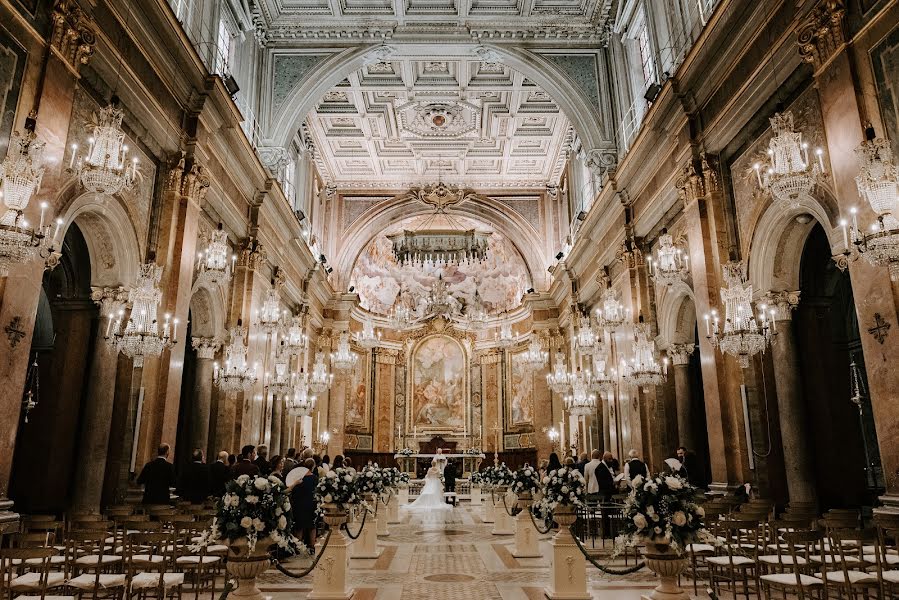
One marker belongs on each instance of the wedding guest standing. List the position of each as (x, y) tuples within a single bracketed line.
[(590, 476), (338, 462), (581, 464), (326, 463), (290, 460), (245, 465), (219, 474), (195, 485), (634, 466), (277, 464), (554, 463), (157, 477), (302, 498), (262, 460), (605, 477)]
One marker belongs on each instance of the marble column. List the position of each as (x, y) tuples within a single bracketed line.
[(274, 446), (607, 424), (202, 409), (99, 399), (793, 430), (680, 367)]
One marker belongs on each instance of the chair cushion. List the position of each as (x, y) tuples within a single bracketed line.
[(699, 548), (54, 560), (47, 597), (789, 579), (94, 559), (216, 549), (151, 580), (195, 560), (87, 581), (891, 576), (724, 561), (890, 559), (153, 559), (782, 559), (855, 577), (830, 559), (32, 581)]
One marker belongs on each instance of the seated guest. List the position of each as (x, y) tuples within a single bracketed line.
[(195, 485), (157, 477), (245, 466)]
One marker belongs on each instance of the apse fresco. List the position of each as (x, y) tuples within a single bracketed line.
[(521, 406), (438, 385), (501, 280)]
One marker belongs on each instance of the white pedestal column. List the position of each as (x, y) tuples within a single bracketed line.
[(502, 521), (488, 510), (525, 535), (366, 545), (393, 509), (403, 496), (329, 578), (475, 495), (569, 569), (383, 517)]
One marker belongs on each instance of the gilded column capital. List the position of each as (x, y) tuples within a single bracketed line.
[(698, 178), (191, 183), (783, 304), (111, 300), (205, 347), (72, 36), (821, 34), (252, 255), (680, 353)]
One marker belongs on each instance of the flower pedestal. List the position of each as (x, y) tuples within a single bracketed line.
[(366, 545), (475, 495), (668, 565), (569, 568), (383, 516), (329, 579), (502, 521), (246, 566), (525, 534), (393, 508), (403, 496), (489, 509)]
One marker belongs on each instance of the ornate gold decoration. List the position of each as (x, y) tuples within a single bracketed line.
[(72, 36), (821, 35)]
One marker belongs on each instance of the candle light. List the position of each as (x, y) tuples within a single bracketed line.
[(175, 331), (805, 154), (843, 226), (109, 324), (72, 158), (43, 210), (854, 212), (58, 225), (758, 173)]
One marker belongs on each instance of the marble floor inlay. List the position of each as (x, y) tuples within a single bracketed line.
[(455, 558)]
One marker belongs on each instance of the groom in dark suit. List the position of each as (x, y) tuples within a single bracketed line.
[(449, 481)]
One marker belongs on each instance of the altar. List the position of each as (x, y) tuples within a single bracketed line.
[(419, 463)]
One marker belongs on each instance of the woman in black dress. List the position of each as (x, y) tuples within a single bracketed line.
[(305, 506)]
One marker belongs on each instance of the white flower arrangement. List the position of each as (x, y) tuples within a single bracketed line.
[(662, 510), (526, 480), (370, 480), (254, 508), (564, 486), (338, 486), (499, 476), (406, 452), (476, 478)]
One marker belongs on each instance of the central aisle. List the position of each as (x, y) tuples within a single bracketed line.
[(427, 559)]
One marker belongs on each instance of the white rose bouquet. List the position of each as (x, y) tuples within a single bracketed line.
[(662, 509), (370, 480), (563, 487), (499, 475), (526, 480), (254, 508), (338, 486), (406, 452), (476, 478)]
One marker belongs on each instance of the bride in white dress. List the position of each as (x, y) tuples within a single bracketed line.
[(431, 497)]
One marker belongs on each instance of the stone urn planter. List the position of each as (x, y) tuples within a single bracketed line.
[(329, 579), (246, 565), (524, 500), (668, 565)]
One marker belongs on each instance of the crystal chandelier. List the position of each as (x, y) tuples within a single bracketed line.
[(237, 375), (368, 338), (581, 401), (301, 403), (321, 379), (535, 356), (213, 264), (878, 183), (586, 337), (789, 176), (440, 301), (281, 380), (400, 317), (476, 312), (20, 178), (440, 240), (644, 369), (671, 264), (269, 318), (612, 314), (558, 380), (506, 337), (295, 339), (743, 335), (105, 169), (141, 337), (603, 380), (344, 359)]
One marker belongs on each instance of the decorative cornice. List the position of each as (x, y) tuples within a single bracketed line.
[(252, 255), (192, 184), (783, 304), (72, 35), (698, 178), (205, 347), (630, 254), (386, 356), (111, 300), (680, 353), (821, 34)]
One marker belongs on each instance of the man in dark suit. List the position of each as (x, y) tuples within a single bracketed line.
[(690, 469), (195, 484), (262, 460), (449, 481), (244, 464), (219, 475), (157, 477), (605, 477)]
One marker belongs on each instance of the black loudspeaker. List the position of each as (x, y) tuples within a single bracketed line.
[(652, 92), (560, 255), (231, 85)]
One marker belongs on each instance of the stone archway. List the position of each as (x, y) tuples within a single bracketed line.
[(596, 135)]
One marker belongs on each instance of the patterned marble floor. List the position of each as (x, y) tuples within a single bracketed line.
[(453, 558)]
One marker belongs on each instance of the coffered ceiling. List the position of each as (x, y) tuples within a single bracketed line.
[(405, 122)]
